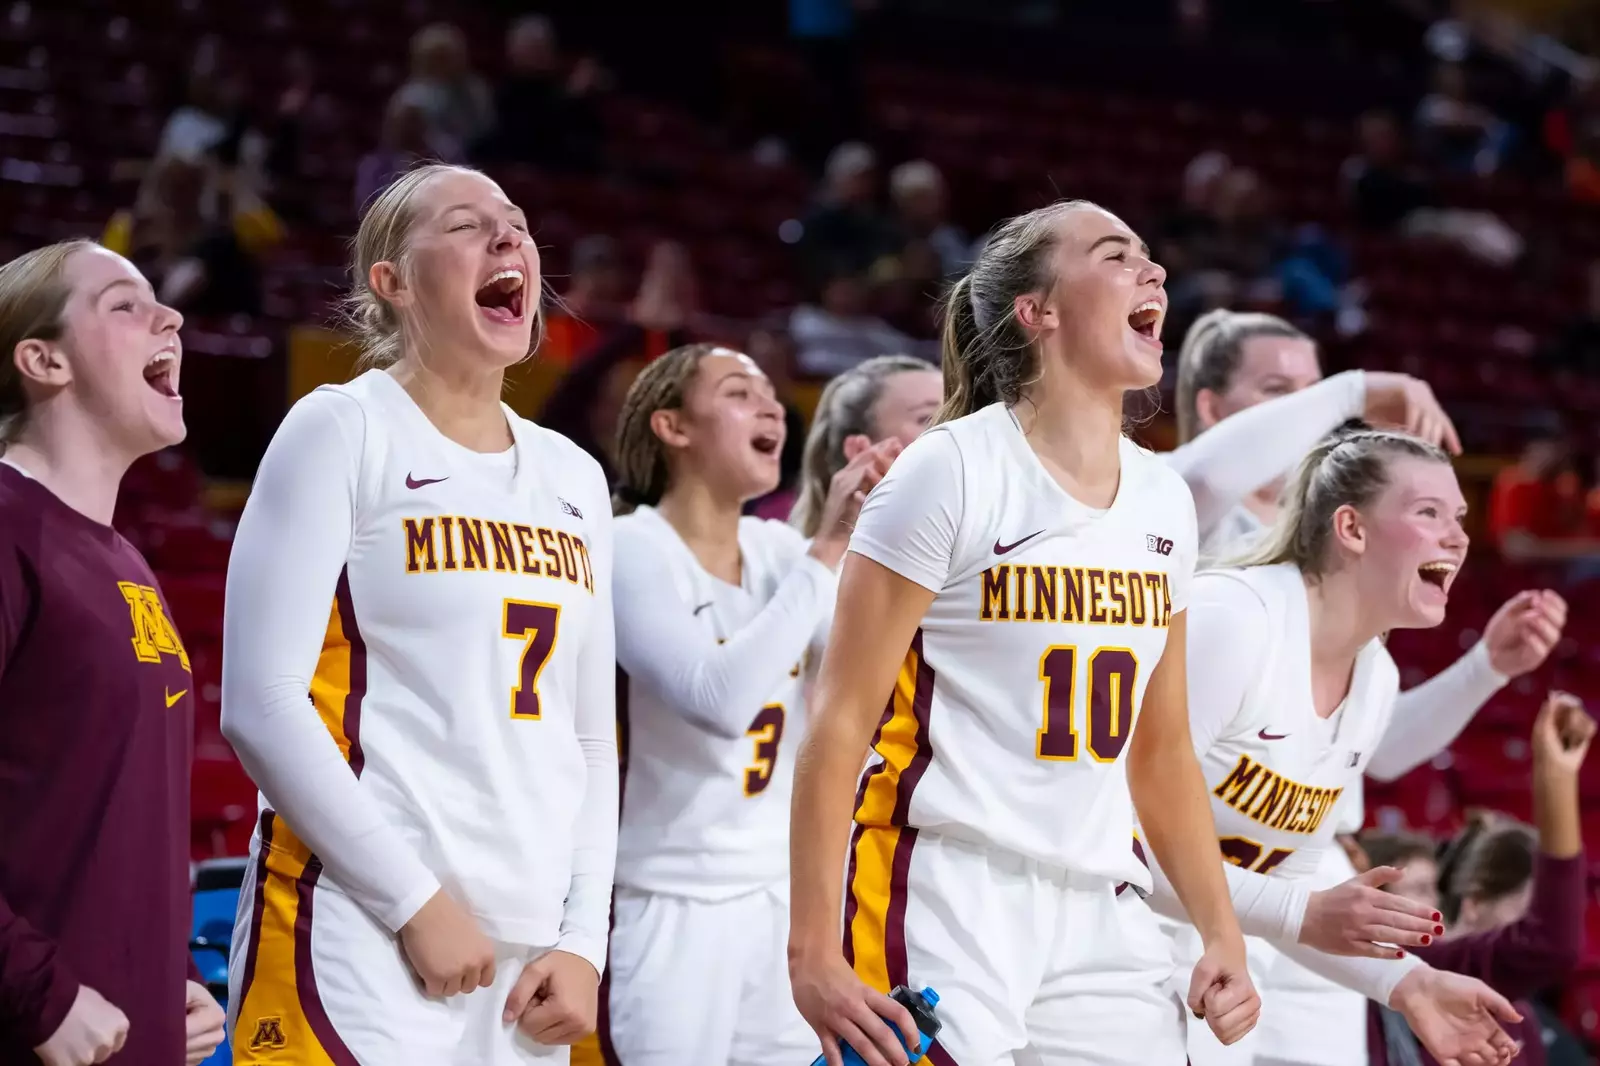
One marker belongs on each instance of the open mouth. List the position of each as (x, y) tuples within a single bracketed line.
[(1438, 574), (161, 373), (1145, 320), (766, 443), (501, 297)]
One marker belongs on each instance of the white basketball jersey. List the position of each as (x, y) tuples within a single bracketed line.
[(1277, 772), (707, 816), (1019, 694), (455, 646)]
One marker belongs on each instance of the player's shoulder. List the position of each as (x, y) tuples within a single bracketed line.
[(1246, 589), (20, 512), (561, 454), (1157, 483)]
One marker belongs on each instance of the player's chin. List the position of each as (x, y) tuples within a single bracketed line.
[(1141, 361)]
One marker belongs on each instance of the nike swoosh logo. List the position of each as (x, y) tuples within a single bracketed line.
[(174, 697), (703, 606), (1001, 549), (1264, 735), (413, 483)]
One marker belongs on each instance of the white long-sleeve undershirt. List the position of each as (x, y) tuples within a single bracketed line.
[(1228, 647), (292, 542), (716, 686), (1428, 717), (1255, 447)]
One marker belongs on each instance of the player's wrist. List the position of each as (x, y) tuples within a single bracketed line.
[(1411, 989)]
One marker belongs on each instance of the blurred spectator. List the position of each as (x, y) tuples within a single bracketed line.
[(907, 289), (842, 330), (1413, 855), (845, 225), (1513, 899), (1577, 346), (403, 143), (544, 113), (210, 111), (1536, 505), (921, 206), (1387, 192), (595, 298), (584, 405), (1455, 132), (456, 102), (1572, 136), (196, 230)]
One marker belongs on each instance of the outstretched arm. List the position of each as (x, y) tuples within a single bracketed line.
[(1253, 448)]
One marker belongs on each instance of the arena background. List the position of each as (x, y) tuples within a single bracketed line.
[(1417, 183)]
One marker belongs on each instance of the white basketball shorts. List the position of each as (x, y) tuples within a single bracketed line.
[(1034, 965), (314, 980)]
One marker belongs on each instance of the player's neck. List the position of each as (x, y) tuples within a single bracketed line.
[(1077, 434), (708, 524), (463, 404), (1340, 628), (68, 456)]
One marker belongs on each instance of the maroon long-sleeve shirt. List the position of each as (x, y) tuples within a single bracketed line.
[(1536, 951), (95, 742)]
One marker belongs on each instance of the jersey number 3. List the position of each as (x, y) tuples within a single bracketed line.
[(1112, 673), (535, 625), (767, 732)]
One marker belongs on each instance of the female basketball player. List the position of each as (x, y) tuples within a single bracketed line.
[(1251, 402), (95, 730), (889, 396), (715, 614), (418, 673), (1290, 691), (993, 828)]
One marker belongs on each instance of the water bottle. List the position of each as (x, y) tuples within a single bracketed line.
[(921, 1005)]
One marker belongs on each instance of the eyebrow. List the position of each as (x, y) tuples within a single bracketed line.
[(1116, 238), (1441, 501), (474, 207), (111, 285)]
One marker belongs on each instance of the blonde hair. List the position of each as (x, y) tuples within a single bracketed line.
[(33, 301), (384, 236), (843, 410), (1210, 357), (987, 354), (642, 473), (1349, 468)]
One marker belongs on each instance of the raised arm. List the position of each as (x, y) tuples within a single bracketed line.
[(286, 568), (586, 921), (1428, 717), (719, 687), (1258, 445)]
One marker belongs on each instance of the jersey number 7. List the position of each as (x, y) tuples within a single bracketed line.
[(1112, 673), (535, 625)]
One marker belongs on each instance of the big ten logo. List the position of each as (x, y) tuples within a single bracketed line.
[(268, 1035), (1159, 545), (154, 634)]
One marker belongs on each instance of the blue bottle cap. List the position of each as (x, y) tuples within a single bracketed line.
[(931, 996)]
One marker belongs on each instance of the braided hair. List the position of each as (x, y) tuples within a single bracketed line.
[(641, 459)]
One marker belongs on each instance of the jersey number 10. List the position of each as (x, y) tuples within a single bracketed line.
[(1112, 673)]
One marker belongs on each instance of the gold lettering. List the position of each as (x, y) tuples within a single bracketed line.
[(568, 563), (1136, 613), (1073, 578), (419, 546), (446, 534), (472, 553), (547, 540), (996, 594), (1239, 778), (530, 565), (1097, 591), (1116, 581), (1044, 593), (504, 557)]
